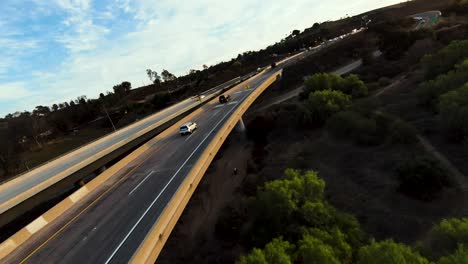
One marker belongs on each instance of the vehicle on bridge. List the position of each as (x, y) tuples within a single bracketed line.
[(224, 98), (188, 128)]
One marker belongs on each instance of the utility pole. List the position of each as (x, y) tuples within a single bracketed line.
[(108, 116)]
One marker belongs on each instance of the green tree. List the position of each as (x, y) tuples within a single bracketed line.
[(278, 251), (445, 237), (460, 256), (153, 76), (323, 104), (275, 252), (444, 60), (277, 201), (429, 91), (55, 107), (336, 239), (322, 81), (453, 113), (389, 252), (167, 76), (355, 87), (312, 250), (350, 85), (255, 257), (422, 178), (123, 88)]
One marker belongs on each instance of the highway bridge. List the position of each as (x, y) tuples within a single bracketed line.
[(127, 213), (26, 191)]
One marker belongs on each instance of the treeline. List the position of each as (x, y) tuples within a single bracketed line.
[(30, 131), (289, 221)]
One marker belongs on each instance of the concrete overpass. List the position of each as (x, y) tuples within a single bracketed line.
[(127, 213), (28, 190)]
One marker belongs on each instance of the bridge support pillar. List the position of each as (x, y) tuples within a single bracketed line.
[(240, 126)]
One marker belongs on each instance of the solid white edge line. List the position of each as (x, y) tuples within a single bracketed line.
[(134, 189), (172, 178)]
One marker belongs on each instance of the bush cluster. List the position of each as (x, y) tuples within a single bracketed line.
[(323, 104), (288, 221), (422, 178), (453, 114), (351, 85), (429, 91), (370, 130), (444, 60)]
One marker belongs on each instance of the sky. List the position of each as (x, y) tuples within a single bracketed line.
[(52, 51)]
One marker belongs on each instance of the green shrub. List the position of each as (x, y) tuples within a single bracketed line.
[(445, 237), (429, 91), (342, 124), (354, 86), (350, 85), (389, 252), (323, 104), (277, 202), (453, 114), (314, 251), (322, 81), (460, 256), (362, 130), (444, 60), (275, 252), (422, 178)]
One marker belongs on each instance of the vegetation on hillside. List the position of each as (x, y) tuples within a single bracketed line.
[(446, 89), (289, 221)]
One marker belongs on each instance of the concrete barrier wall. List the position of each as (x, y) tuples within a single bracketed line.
[(152, 245)]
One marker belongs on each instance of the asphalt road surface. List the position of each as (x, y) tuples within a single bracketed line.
[(426, 19), (109, 226), (17, 186)]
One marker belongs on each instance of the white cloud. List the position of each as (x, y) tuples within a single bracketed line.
[(14, 91), (82, 34), (171, 34)]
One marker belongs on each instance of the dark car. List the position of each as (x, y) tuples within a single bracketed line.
[(224, 98)]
